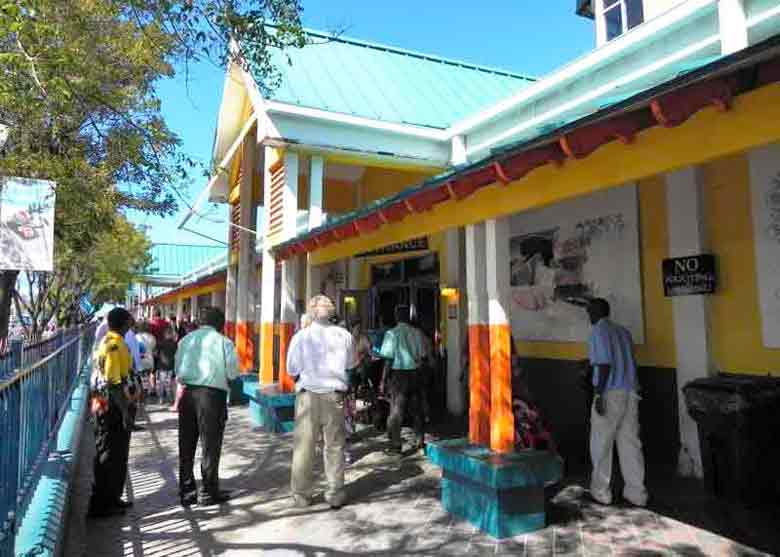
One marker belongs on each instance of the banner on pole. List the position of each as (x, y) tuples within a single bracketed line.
[(26, 224)]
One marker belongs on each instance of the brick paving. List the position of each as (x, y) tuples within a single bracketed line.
[(394, 510)]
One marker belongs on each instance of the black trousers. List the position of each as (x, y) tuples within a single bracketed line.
[(202, 416), (112, 449), (404, 387)]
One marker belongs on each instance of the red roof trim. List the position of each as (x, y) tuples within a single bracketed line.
[(675, 108), (669, 110), (584, 141)]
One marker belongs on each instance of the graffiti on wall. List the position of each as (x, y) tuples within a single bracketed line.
[(562, 255)]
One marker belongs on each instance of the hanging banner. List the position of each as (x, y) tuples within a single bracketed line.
[(26, 224)]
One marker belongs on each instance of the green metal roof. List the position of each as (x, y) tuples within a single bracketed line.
[(672, 77), (174, 260), (349, 76)]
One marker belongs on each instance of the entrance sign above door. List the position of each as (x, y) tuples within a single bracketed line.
[(415, 244), (686, 276)]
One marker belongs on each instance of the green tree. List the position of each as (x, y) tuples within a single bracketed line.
[(78, 103)]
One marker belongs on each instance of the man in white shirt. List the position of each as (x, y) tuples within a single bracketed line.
[(319, 357)]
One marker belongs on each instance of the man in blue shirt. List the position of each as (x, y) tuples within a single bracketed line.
[(403, 350), (206, 362), (615, 413)]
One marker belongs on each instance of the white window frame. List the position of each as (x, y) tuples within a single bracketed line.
[(605, 6)]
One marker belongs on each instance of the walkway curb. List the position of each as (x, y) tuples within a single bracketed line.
[(43, 525)]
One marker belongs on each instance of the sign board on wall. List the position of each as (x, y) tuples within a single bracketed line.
[(563, 254), (415, 244), (26, 224), (684, 276), (765, 193)]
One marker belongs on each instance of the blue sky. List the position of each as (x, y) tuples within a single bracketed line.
[(525, 36)]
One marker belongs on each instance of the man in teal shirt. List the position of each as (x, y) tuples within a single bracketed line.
[(206, 362), (403, 349)]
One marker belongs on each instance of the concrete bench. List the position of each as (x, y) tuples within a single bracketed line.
[(269, 407), (501, 494)]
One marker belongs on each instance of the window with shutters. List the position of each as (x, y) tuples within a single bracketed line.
[(276, 203), (235, 218)]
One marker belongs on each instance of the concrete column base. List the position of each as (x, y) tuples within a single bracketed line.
[(502, 494)]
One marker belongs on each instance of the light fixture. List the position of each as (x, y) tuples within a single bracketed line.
[(449, 293), (349, 300)]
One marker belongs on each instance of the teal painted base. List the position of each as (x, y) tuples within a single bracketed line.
[(501, 494), (270, 408)]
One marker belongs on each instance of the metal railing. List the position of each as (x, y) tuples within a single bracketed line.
[(18, 354), (33, 401)]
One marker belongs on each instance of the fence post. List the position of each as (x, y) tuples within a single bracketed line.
[(16, 353)]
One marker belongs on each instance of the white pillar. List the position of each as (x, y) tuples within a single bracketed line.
[(290, 221), (247, 242), (288, 315), (733, 26), (685, 214), (479, 339), (499, 299), (316, 181), (458, 150), (218, 299), (267, 282), (194, 308), (455, 279), (601, 24), (316, 195), (179, 310)]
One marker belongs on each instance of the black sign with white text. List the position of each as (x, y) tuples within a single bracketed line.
[(684, 276), (416, 244)]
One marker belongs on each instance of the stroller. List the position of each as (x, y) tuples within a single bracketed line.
[(376, 407)]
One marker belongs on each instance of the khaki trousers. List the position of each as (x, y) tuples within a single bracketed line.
[(315, 413), (619, 425)]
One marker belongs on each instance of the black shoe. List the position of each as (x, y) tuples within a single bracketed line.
[(214, 499), (138, 428), (122, 504), (188, 500)]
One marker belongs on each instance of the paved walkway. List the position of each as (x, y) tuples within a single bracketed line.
[(395, 510)]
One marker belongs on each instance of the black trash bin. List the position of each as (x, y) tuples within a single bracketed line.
[(738, 418)]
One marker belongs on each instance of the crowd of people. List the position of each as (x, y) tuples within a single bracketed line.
[(194, 365)]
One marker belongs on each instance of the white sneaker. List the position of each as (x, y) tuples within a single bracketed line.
[(601, 498)]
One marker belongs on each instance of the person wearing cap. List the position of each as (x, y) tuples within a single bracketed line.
[(206, 362), (403, 350), (110, 402), (319, 358), (615, 412)]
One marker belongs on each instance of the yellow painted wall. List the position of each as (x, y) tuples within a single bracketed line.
[(734, 309), (383, 182), (659, 346), (339, 196)]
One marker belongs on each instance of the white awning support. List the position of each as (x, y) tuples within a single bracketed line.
[(216, 189)]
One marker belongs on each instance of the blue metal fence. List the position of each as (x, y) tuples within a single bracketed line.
[(32, 403)]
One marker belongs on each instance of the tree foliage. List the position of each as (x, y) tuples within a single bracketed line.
[(79, 106)]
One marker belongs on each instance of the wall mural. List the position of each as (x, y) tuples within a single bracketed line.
[(765, 189), (563, 254)]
